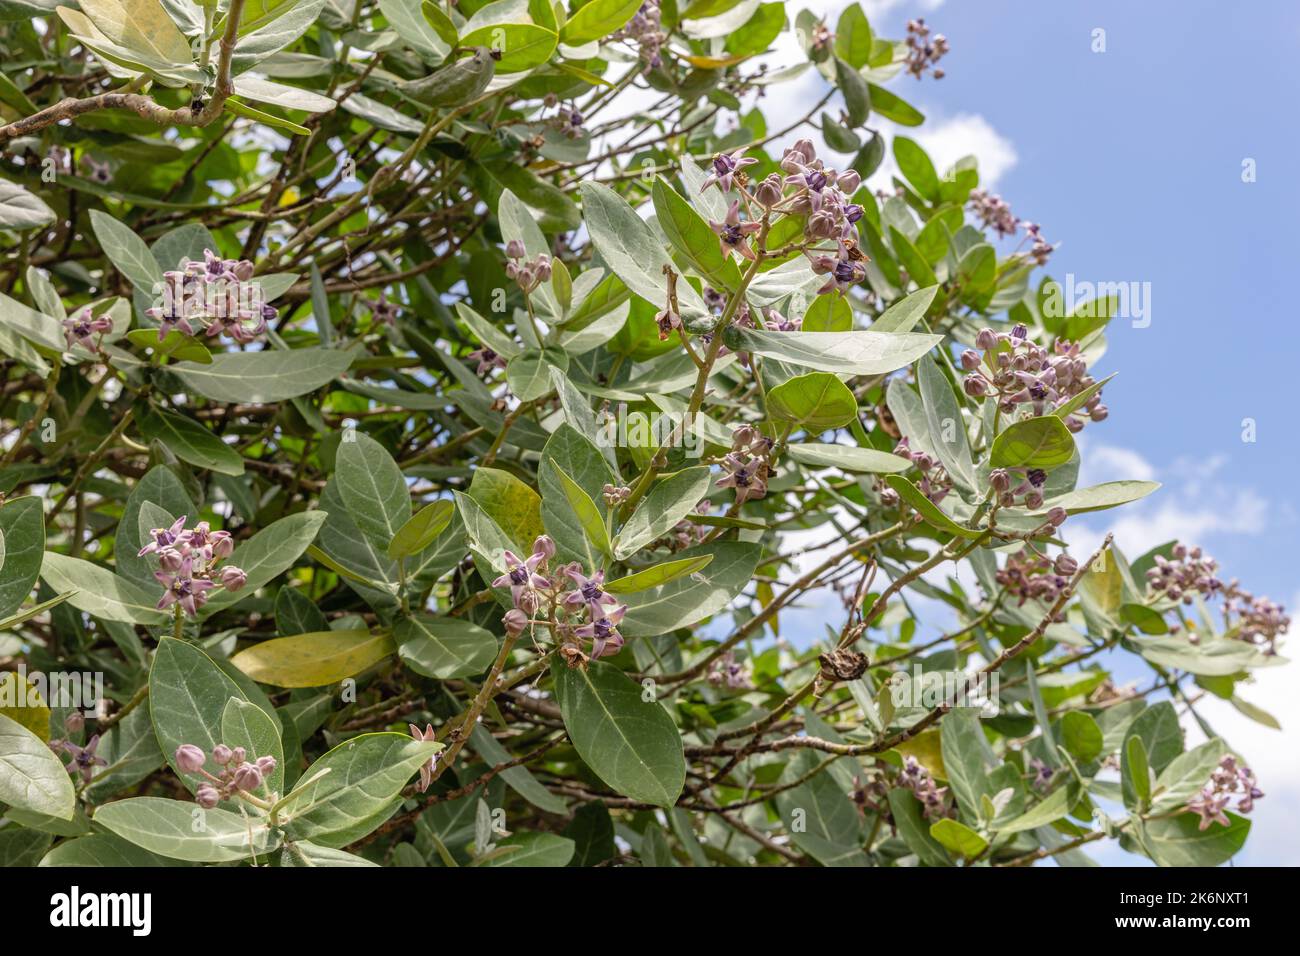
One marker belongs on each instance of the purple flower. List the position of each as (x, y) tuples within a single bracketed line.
[(603, 633), (590, 590), (84, 761), (746, 476), (521, 576), (184, 589), (79, 329), (164, 537), (725, 168), (732, 233), (486, 359)]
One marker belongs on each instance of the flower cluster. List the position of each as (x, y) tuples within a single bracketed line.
[(1229, 778), (530, 273), (188, 562), (993, 212), (924, 51), (1017, 371), (686, 533), (646, 30), (218, 292), (1030, 576), (1256, 620), (79, 329), (1190, 572), (748, 464), (728, 672), (1041, 250), (934, 482), (238, 774), (935, 802), (567, 121), (1024, 485), (805, 187), (587, 614), (615, 495)]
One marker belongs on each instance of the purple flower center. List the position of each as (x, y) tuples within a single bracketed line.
[(591, 591), (603, 629), (519, 575), (816, 181)]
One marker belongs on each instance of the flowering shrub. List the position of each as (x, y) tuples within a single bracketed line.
[(408, 409)]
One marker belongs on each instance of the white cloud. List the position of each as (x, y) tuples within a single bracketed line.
[(966, 134)]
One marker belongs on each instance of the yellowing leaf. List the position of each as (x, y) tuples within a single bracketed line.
[(313, 660)]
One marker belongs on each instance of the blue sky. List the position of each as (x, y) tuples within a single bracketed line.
[(1132, 160)]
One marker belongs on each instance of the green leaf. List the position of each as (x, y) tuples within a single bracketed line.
[(629, 247), (927, 509), (848, 458), (588, 515), (632, 744), (372, 487), (852, 353), (264, 377), (444, 647), (912, 827), (686, 600), (658, 574), (667, 503), (522, 46), (958, 838), (916, 166), (100, 592), (20, 210), (853, 37), (181, 831), (246, 725), (295, 613), (31, 776), (22, 548), (828, 313), (1050, 809), (1042, 442), (965, 750), (534, 849), (1082, 736), (515, 507), (894, 108), (415, 24), (819, 816), (815, 402), (441, 23), (1179, 841), (422, 529), (349, 791), (457, 83), (314, 660), (1109, 494), (1186, 774), (597, 19), (102, 850), (692, 237), (304, 853), (267, 555), (188, 693), (126, 250), (1135, 774), (857, 92), (190, 441), (947, 428), (517, 778)]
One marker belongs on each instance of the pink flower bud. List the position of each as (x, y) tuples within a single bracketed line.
[(544, 545), (1057, 516), (515, 621), (266, 765), (986, 339), (190, 758), (237, 755), (222, 755), (248, 777), (233, 578), (170, 560), (223, 545), (515, 249), (207, 796)]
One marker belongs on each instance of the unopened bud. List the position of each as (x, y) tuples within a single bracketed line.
[(190, 758)]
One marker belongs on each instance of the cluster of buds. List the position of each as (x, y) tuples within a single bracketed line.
[(238, 775), (529, 273), (583, 615), (727, 672), (188, 562), (1255, 620), (748, 464), (647, 32), (923, 50), (1030, 576), (934, 482), (1027, 490), (615, 495), (1017, 371), (934, 799), (993, 212), (85, 330), (1190, 572), (218, 292), (1228, 779)]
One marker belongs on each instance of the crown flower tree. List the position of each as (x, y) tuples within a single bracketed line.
[(323, 331)]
